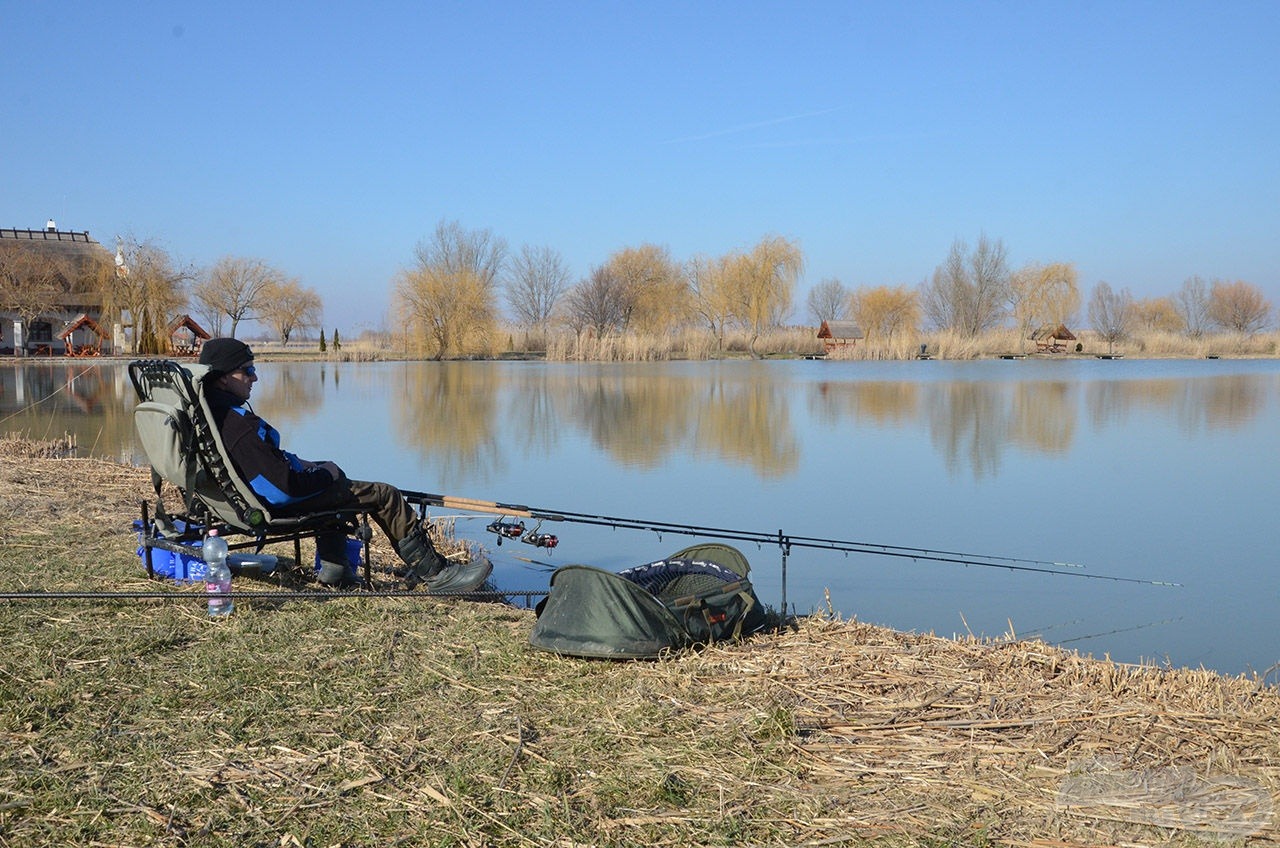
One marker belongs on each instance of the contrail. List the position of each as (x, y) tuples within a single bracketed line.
[(753, 126)]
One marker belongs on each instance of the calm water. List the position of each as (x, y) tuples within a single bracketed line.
[(1159, 470)]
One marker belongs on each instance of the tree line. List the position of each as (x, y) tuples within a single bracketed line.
[(145, 288), (975, 290), (447, 302)]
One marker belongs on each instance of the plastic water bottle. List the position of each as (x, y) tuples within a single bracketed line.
[(218, 578)]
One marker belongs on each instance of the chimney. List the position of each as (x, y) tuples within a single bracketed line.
[(51, 226)]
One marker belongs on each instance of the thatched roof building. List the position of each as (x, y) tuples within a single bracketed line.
[(1051, 333), (837, 333)]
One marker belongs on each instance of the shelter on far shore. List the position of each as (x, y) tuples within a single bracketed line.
[(837, 334), (89, 332), (1050, 339), (186, 336)]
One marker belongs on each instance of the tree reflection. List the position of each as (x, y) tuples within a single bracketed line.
[(446, 412), (90, 403), (1196, 404), (968, 422), (1043, 416), (634, 418), (750, 424), (465, 416), (879, 402), (288, 393)]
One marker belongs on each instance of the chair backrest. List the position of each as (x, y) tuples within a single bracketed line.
[(175, 425)]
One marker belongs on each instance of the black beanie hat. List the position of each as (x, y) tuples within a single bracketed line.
[(224, 356)]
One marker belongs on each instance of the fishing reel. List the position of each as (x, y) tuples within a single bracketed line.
[(540, 540), (506, 529)]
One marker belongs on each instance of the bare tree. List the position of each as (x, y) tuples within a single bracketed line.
[(1111, 313), (1239, 307), (30, 282), (829, 300), (1192, 303), (454, 250), (234, 287), (968, 291), (598, 303), (539, 279), (289, 306)]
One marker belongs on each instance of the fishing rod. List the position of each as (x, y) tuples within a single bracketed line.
[(784, 541)]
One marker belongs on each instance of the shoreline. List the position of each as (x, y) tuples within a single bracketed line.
[(360, 721)]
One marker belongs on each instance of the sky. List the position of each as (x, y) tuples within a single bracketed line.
[(1139, 141)]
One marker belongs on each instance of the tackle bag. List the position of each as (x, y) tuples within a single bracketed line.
[(695, 596)]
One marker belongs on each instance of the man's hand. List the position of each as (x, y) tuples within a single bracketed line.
[(332, 468)]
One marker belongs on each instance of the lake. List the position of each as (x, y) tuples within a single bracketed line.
[(1149, 471)]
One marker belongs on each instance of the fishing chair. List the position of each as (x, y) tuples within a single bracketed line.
[(175, 425)]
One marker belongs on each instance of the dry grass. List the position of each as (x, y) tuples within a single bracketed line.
[(417, 721), (696, 343)]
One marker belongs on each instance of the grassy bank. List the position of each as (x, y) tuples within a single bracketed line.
[(415, 721)]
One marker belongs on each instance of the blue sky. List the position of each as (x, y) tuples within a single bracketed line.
[(1140, 141)]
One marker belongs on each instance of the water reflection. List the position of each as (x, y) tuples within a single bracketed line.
[(92, 403), (446, 412), (465, 418), (473, 417)]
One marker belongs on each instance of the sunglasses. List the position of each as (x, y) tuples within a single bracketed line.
[(248, 371)]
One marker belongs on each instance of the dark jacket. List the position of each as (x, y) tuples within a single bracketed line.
[(279, 477)]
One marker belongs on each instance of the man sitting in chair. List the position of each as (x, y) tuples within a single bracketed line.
[(296, 486)]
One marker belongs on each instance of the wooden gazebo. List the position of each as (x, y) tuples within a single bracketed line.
[(91, 332), (1049, 339), (836, 334), (186, 336)]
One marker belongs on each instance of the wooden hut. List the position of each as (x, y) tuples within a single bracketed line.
[(186, 336), (836, 334), (89, 332), (1050, 339)]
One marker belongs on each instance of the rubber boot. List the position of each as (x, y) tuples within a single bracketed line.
[(420, 555), (427, 566), (335, 570)]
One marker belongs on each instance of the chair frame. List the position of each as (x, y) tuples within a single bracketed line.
[(241, 512)]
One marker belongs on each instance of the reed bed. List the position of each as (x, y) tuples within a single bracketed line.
[(417, 721), (699, 343)]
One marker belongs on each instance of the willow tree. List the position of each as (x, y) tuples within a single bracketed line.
[(759, 284), (287, 306), (709, 294), (450, 293), (1042, 295), (146, 289), (30, 282), (656, 293), (885, 312)]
